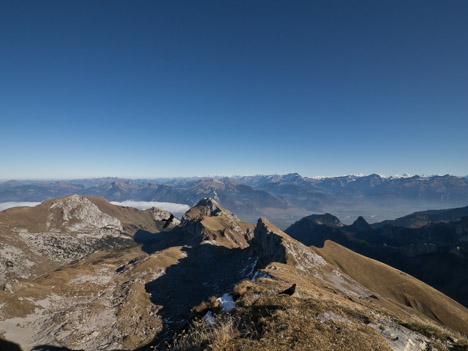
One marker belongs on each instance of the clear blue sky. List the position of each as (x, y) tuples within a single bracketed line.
[(178, 88)]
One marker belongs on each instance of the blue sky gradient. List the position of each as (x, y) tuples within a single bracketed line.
[(182, 88)]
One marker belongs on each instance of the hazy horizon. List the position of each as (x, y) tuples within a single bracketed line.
[(403, 175)]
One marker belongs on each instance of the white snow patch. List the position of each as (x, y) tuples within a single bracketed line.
[(209, 319), (226, 302), (259, 274), (209, 242), (399, 176)]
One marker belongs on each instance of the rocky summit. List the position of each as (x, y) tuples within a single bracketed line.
[(81, 274)]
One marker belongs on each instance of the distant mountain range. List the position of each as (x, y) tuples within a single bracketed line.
[(285, 198)]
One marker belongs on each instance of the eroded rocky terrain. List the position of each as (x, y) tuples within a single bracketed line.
[(209, 281)]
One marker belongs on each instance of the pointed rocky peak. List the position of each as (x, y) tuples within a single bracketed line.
[(205, 207), (268, 243), (208, 222), (273, 245), (360, 224), (265, 228), (268, 235), (208, 202)]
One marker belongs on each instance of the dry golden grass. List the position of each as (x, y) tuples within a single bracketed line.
[(32, 218), (397, 286), (201, 336), (264, 320)]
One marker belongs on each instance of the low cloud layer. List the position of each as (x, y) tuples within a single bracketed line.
[(143, 205), (6, 205)]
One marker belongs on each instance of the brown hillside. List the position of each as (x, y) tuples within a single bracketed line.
[(208, 221), (396, 285)]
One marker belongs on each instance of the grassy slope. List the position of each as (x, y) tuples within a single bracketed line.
[(396, 285)]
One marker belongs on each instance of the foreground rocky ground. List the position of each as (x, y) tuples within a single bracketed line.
[(208, 282)]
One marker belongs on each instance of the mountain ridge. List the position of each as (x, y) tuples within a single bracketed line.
[(131, 297)]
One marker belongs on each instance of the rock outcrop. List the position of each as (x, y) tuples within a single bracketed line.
[(77, 213), (165, 218), (208, 222)]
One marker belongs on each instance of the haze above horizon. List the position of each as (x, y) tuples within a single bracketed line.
[(161, 89)]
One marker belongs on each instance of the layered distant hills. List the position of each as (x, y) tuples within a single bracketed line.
[(284, 198), (430, 245)]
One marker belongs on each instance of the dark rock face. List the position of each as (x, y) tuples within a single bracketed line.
[(360, 224), (268, 244)]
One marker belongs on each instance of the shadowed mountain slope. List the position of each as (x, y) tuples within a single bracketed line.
[(436, 253)]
